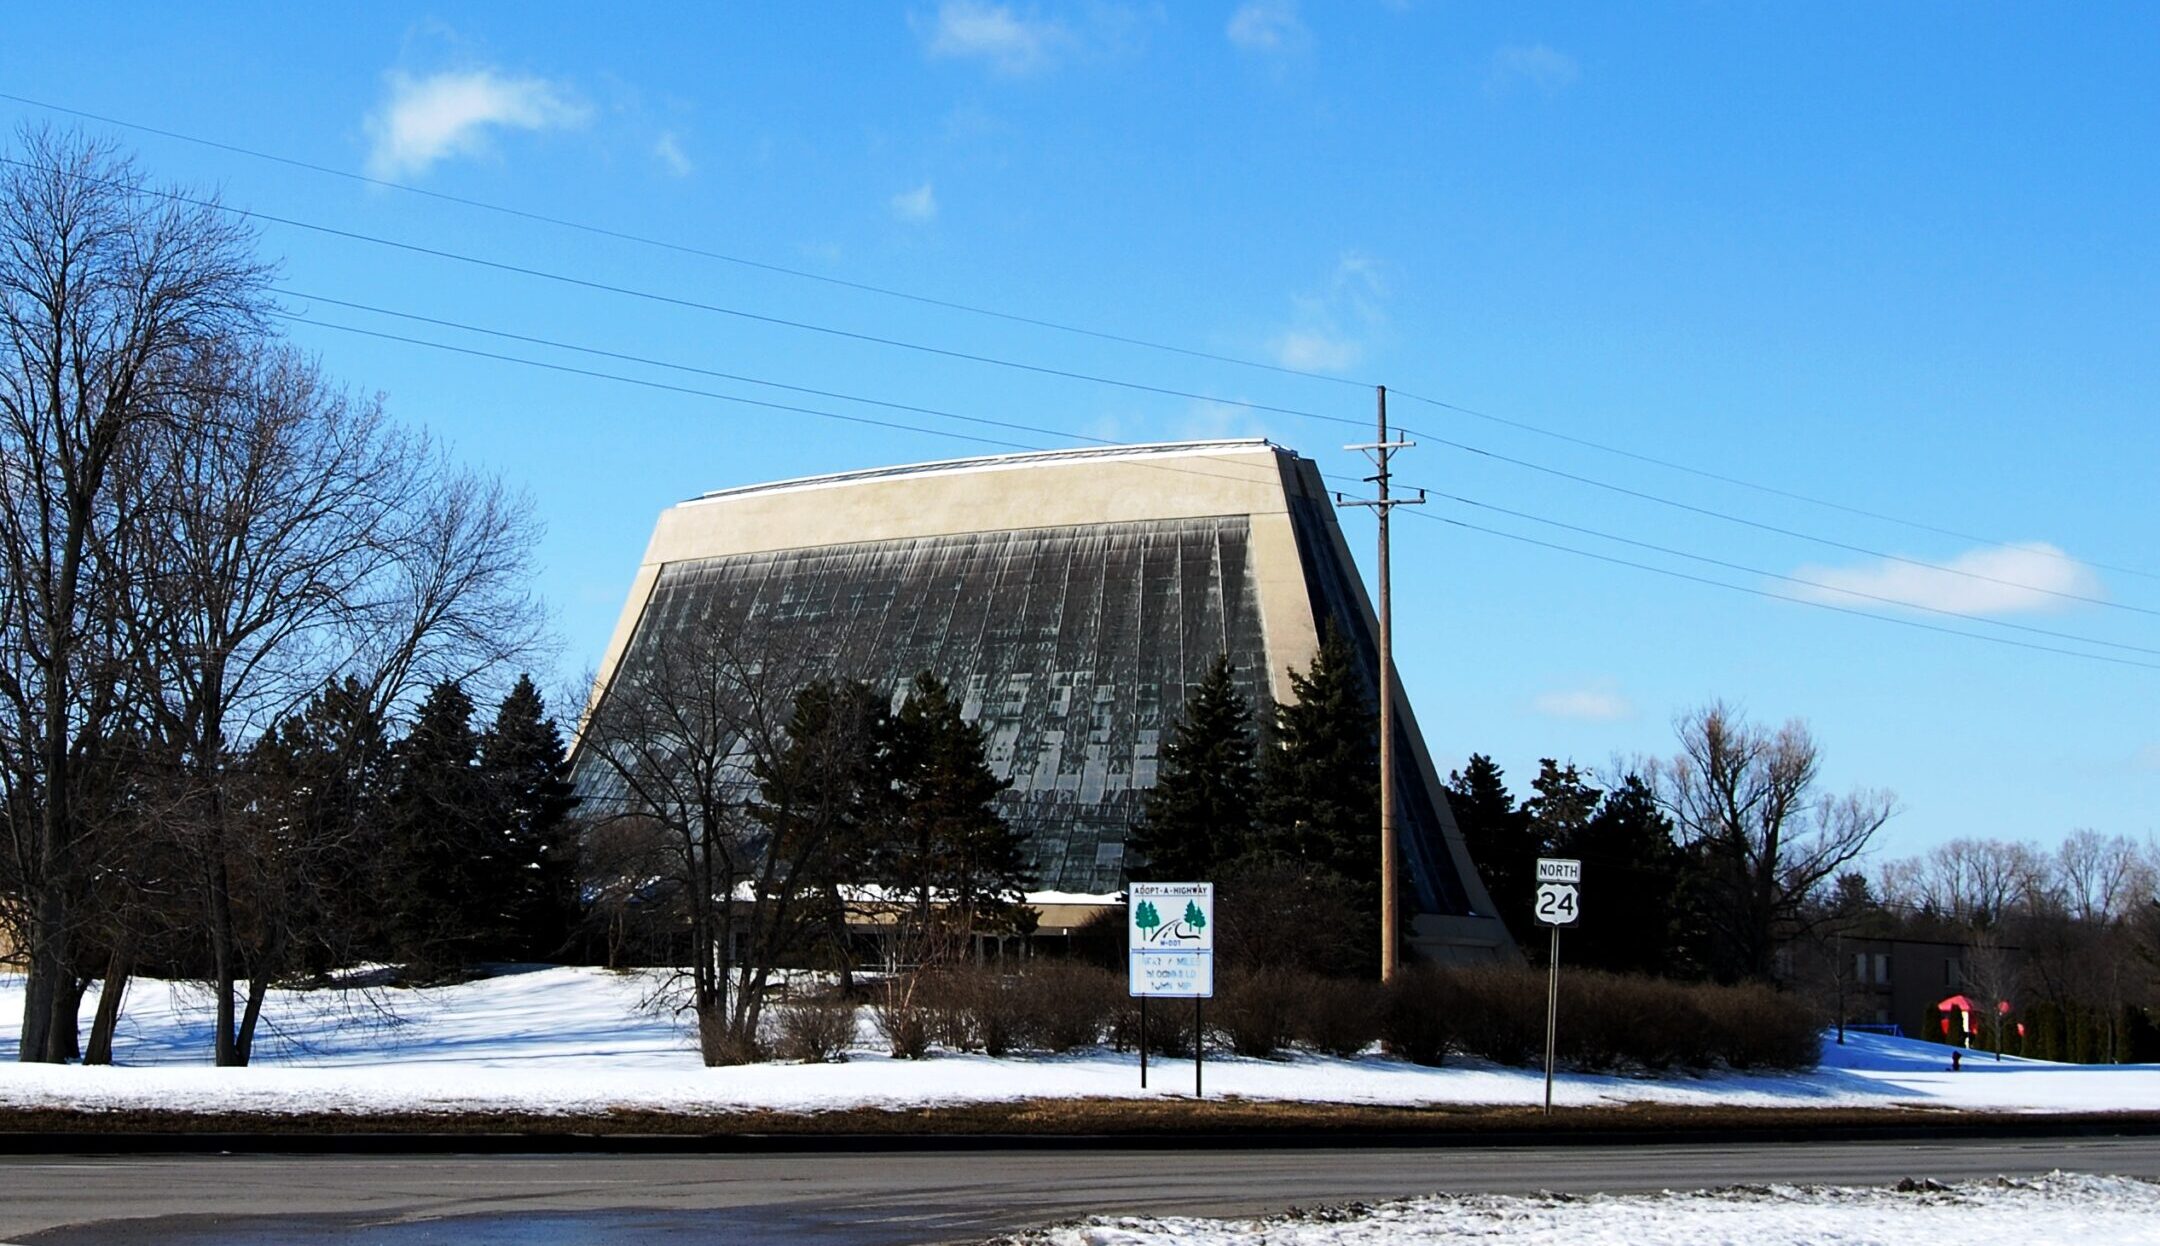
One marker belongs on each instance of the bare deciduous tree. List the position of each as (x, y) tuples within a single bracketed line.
[(1745, 801), (106, 291)]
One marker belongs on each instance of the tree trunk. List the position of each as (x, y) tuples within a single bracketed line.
[(118, 972), (244, 1045), (47, 962), (224, 955), (63, 1041)]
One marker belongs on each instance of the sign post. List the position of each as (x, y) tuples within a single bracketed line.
[(1559, 903), (1170, 953)]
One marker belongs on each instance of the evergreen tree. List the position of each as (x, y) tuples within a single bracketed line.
[(1320, 777), (526, 775), (823, 796), (321, 778), (444, 861), (1632, 866), (1496, 832), (1199, 814), (946, 845)]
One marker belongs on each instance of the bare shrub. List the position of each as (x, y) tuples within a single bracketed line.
[(1256, 1009), (902, 1016), (1754, 1027), (1062, 1007), (721, 1046), (1169, 1026), (1418, 1014), (1502, 1013), (815, 1031), (1337, 1016)]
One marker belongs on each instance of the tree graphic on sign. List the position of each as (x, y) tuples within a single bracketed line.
[(1146, 918), (1194, 918)]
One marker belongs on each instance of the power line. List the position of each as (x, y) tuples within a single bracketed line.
[(1772, 490), (1666, 571), (1728, 517), (1761, 592), (1790, 579), (715, 308), (1044, 323), (680, 248)]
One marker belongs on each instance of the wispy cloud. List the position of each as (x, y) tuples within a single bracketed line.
[(1267, 26), (1533, 65), (1009, 42), (667, 149), (1328, 331), (425, 120), (1599, 701), (2024, 578), (918, 205)]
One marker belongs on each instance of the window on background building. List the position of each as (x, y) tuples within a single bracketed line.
[(1950, 971), (1859, 966), (1882, 966)]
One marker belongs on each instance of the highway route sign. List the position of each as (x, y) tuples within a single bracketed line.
[(1559, 893)]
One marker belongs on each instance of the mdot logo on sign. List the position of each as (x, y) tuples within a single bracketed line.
[(1559, 898), (1170, 931)]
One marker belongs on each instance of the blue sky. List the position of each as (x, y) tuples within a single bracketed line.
[(1902, 258)]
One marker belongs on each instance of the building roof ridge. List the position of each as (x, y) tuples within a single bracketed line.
[(998, 462)]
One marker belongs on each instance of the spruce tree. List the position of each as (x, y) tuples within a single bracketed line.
[(1199, 814), (321, 779), (1495, 832), (1632, 866), (823, 796), (526, 775), (444, 866), (946, 844), (1320, 776)]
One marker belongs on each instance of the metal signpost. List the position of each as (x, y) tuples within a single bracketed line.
[(1170, 953), (1559, 903)]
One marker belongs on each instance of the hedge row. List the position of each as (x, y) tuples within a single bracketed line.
[(1607, 1021)]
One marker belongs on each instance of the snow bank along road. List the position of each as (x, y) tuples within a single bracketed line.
[(884, 1199), (575, 1042)]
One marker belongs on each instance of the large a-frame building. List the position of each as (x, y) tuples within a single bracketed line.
[(1072, 598)]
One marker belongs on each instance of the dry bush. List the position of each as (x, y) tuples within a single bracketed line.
[(720, 1048), (815, 1031), (1062, 1006), (1256, 1009), (1501, 1011), (1754, 1027), (1337, 1016), (902, 1016), (1418, 1014), (1169, 1026)]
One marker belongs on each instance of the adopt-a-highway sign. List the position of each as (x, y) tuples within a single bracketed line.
[(1170, 937)]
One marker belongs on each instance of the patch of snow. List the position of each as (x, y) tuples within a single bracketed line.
[(571, 1040), (2055, 1210)]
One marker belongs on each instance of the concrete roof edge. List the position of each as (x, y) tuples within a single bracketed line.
[(997, 462)]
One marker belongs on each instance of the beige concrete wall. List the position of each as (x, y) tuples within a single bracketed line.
[(1194, 480)]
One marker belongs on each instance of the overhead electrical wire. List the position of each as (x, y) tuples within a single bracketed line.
[(671, 300), (1794, 533), (1763, 592), (1044, 323), (682, 248), (1759, 487), (1666, 571)]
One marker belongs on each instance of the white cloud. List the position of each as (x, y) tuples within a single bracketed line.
[(1327, 332), (1597, 702), (917, 205), (1010, 43), (668, 150), (1533, 64), (429, 119), (1266, 26), (1998, 579), (1313, 350)]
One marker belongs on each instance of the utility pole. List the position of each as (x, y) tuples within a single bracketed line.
[(1381, 452)]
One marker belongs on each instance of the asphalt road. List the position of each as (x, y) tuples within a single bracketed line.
[(881, 1198)]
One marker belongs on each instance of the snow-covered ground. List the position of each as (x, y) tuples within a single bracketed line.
[(578, 1041), (2057, 1210)]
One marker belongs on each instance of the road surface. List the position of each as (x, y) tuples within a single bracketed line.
[(889, 1198)]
